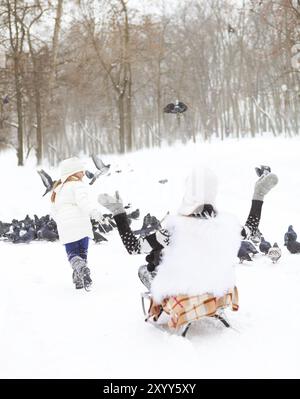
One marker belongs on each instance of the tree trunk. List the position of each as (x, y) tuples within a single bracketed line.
[(55, 42), (121, 124), (20, 151)]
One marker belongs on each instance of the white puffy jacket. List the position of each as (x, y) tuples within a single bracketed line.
[(72, 210)]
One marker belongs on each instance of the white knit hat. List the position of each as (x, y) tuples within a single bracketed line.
[(70, 166), (200, 188)]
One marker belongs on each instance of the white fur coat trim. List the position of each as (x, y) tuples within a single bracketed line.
[(200, 257)]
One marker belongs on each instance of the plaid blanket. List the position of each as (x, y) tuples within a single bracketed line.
[(184, 309)]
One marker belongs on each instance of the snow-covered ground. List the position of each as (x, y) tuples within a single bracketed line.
[(50, 330)]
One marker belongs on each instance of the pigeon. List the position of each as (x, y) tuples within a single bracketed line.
[(52, 225), (37, 223), (249, 247), (230, 29), (290, 235), (178, 107), (27, 230), (98, 237), (47, 180), (134, 215), (243, 254), (104, 228), (246, 249), (107, 215), (112, 223), (5, 99), (13, 232), (163, 181), (274, 253), (101, 169), (89, 175), (150, 225), (27, 220), (264, 246), (293, 247), (263, 170), (4, 228), (290, 241), (47, 233), (25, 236), (151, 221), (18, 234), (27, 223)]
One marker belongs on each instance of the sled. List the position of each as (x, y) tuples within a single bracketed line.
[(183, 310)]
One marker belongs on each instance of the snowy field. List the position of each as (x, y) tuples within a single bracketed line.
[(50, 330)]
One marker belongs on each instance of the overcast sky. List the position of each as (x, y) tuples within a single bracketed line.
[(155, 6)]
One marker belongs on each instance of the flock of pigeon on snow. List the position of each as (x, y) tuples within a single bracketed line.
[(45, 228), (248, 248)]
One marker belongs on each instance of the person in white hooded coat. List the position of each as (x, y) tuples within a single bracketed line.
[(72, 209), (196, 252)]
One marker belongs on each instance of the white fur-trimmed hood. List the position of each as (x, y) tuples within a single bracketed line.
[(200, 258)]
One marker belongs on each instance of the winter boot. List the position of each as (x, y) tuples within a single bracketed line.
[(77, 280), (146, 277), (81, 273), (264, 185), (85, 274)]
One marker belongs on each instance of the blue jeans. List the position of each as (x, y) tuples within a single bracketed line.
[(78, 248)]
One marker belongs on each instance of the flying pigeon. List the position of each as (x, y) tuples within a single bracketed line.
[(230, 29), (101, 169), (264, 246), (104, 227), (150, 225), (263, 170), (134, 215), (274, 253), (178, 107), (47, 180), (98, 237), (290, 235), (163, 181), (89, 175)]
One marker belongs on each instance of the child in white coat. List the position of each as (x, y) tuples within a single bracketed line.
[(72, 211)]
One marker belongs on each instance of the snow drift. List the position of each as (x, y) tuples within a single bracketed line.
[(45, 321)]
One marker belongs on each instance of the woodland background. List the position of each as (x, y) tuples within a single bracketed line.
[(93, 76)]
